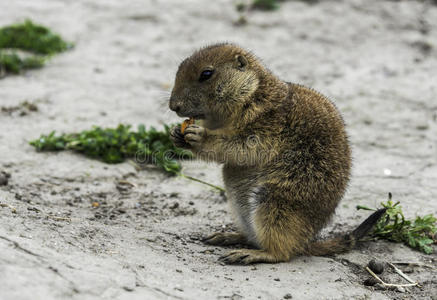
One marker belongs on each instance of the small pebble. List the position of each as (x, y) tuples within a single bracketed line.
[(376, 266), (174, 205), (121, 210), (4, 178), (370, 282), (288, 296)]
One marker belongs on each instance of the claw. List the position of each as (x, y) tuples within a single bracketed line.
[(211, 238), (234, 257), (178, 138)]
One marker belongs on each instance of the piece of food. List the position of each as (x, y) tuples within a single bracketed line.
[(185, 124)]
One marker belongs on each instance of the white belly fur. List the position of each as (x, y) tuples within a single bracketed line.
[(243, 207)]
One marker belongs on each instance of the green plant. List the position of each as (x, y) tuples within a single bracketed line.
[(240, 7), (265, 4), (115, 145), (27, 36), (33, 38), (12, 63), (393, 226)]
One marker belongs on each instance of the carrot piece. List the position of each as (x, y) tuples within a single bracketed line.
[(185, 124)]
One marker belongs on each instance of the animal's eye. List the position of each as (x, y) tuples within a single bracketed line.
[(205, 75)]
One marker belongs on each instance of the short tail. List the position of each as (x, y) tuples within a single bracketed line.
[(347, 242)]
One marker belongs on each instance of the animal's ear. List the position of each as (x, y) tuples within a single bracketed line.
[(240, 62)]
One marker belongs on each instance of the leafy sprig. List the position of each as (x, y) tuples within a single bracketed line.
[(30, 37), (114, 145), (12, 63), (33, 38), (419, 233), (265, 4)]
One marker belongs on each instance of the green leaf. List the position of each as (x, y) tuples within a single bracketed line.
[(417, 234), (265, 4), (114, 145), (30, 37)]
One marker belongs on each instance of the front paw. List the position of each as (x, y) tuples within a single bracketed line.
[(195, 135), (177, 137)]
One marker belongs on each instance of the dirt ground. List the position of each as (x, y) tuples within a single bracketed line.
[(376, 59)]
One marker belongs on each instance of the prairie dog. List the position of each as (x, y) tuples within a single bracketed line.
[(285, 153)]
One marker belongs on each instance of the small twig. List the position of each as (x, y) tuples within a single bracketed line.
[(403, 275), (375, 276), (414, 264), (220, 189), (389, 284), (358, 207), (125, 182), (13, 209), (203, 182)]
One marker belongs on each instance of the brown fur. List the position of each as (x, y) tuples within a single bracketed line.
[(284, 148)]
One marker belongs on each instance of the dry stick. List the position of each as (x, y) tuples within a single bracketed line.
[(403, 275), (414, 264), (389, 284), (125, 182), (13, 209)]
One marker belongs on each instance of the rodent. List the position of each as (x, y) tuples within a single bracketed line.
[(284, 149)]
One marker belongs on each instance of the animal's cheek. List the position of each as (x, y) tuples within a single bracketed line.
[(186, 91), (221, 92)]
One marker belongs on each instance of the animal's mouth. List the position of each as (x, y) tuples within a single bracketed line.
[(198, 117), (195, 116)]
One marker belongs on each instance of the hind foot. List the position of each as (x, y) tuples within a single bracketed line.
[(248, 256), (225, 239)]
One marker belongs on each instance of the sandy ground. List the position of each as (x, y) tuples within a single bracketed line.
[(376, 59)]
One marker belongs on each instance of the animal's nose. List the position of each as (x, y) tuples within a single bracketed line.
[(177, 108), (174, 105)]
